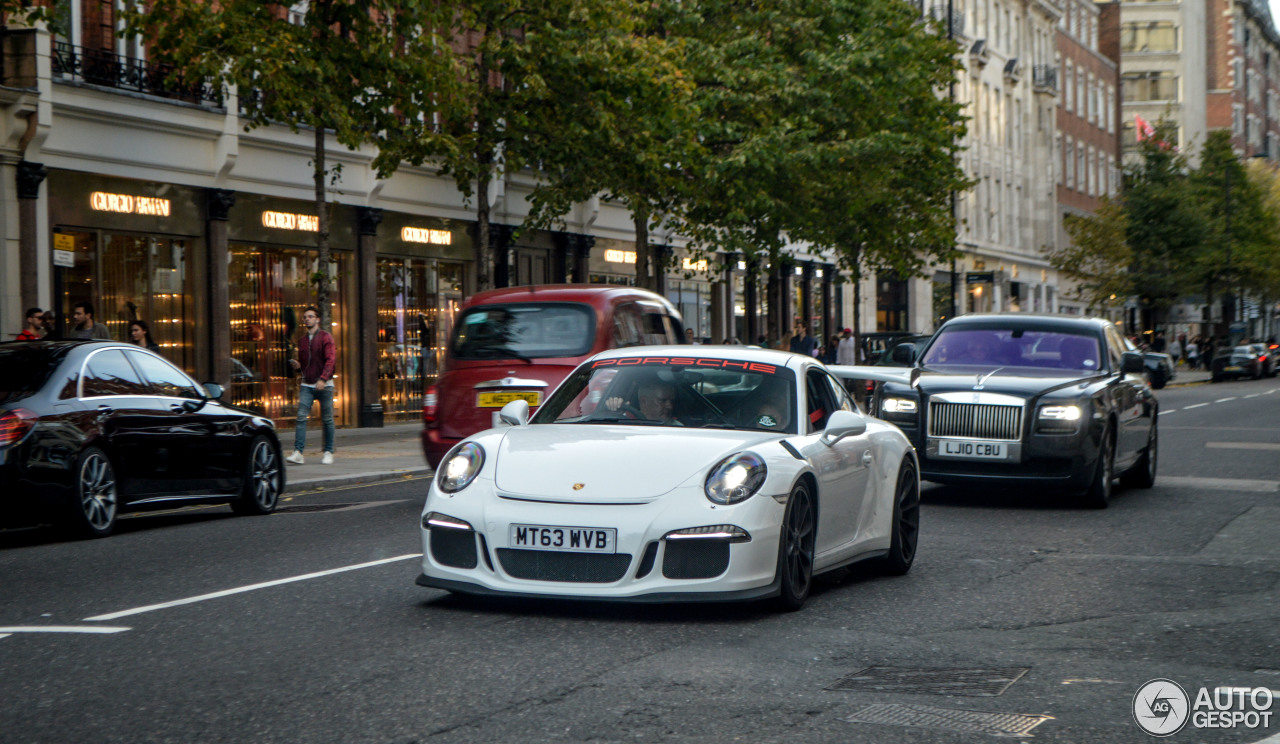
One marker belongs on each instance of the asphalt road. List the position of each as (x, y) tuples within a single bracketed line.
[(1178, 582)]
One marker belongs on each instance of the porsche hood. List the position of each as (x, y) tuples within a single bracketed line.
[(580, 463)]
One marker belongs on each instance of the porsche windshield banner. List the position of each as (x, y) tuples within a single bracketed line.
[(733, 364)]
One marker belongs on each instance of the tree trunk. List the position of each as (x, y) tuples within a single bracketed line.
[(484, 256), (644, 277), (322, 225), (857, 306)]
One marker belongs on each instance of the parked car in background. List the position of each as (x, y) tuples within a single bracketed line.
[(1266, 358), (1235, 362), (1159, 366), (91, 429), (1017, 399), (519, 343)]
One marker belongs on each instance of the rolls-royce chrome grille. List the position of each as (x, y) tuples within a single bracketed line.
[(975, 421)]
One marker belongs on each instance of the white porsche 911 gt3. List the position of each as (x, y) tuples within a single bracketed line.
[(679, 473)]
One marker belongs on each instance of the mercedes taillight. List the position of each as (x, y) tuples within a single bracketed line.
[(14, 425)]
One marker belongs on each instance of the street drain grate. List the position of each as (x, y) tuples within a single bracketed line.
[(306, 508), (968, 721), (925, 681)]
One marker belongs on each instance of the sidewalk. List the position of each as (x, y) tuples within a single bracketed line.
[(393, 452)]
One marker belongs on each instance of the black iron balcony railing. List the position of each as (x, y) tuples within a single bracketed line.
[(98, 67), (1045, 78)]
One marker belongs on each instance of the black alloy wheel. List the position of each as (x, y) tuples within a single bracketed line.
[(906, 522), (795, 553), (1098, 494), (97, 501), (262, 480), (1143, 472)]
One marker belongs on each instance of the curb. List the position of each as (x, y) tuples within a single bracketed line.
[(353, 479)]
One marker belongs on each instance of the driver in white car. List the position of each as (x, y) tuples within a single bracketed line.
[(654, 400)]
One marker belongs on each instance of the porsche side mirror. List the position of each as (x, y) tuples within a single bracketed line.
[(515, 413), (843, 424), (1132, 363), (213, 390), (904, 353)]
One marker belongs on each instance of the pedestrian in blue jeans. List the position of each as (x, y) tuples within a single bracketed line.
[(315, 360)]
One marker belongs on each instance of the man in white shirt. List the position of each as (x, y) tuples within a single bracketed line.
[(847, 350)]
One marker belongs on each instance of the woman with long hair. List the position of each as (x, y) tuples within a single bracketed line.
[(140, 335)]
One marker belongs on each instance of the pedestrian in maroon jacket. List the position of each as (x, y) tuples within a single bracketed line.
[(316, 360)]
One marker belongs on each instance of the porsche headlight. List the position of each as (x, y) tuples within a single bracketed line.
[(460, 467), (1060, 413), (736, 478), (898, 405)]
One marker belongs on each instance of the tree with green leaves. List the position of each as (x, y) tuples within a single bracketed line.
[(324, 65), (1237, 252), (823, 124), (1146, 242), (525, 71), (1097, 259)]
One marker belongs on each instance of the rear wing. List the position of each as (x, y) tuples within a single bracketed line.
[(899, 375)]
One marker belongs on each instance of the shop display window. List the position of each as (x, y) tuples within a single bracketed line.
[(270, 287), (133, 277)]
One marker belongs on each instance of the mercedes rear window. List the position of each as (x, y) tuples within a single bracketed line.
[(524, 331), (24, 370)]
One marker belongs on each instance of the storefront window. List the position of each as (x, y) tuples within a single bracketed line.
[(417, 299), (891, 303), (270, 287), (134, 277)]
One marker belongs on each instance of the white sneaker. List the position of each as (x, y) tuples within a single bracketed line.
[(327, 459), (296, 458)]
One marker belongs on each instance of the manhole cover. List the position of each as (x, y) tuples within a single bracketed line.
[(304, 508), (968, 721), (916, 680)]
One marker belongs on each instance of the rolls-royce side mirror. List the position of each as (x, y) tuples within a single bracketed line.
[(904, 353), (843, 424), (515, 413), (1132, 363), (213, 390)]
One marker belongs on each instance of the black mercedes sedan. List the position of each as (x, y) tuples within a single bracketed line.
[(91, 429), (1025, 400)]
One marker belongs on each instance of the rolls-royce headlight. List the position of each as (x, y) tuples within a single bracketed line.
[(898, 405), (1060, 413), (736, 478), (460, 467)]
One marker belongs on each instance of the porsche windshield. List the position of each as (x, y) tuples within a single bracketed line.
[(988, 348), (676, 391)]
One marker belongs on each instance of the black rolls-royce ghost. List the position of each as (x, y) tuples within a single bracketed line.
[(90, 429), (1025, 400)]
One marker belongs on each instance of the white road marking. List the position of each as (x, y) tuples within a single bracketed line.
[(1243, 445), (241, 589), (4, 635), (1198, 405), (61, 629), (1220, 484), (1269, 740), (1252, 395), (1269, 392), (1164, 412), (1225, 400)]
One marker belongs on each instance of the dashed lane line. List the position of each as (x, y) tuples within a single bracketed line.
[(242, 589), (1225, 400), (1164, 413), (1243, 445), (1220, 484), (97, 629), (1197, 405)]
